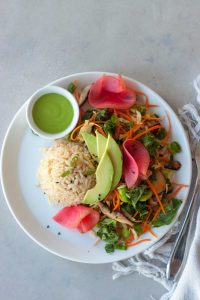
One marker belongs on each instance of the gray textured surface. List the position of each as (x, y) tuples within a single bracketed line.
[(156, 42)]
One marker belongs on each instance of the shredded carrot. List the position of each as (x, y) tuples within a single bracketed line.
[(146, 227), (151, 118), (101, 131), (148, 216), (174, 193), (114, 198), (156, 214), (180, 184), (117, 205), (164, 141), (152, 105), (125, 115), (156, 194), (153, 233), (138, 242), (75, 131), (130, 238), (146, 131), (117, 131), (132, 130), (107, 197), (147, 105), (99, 122)]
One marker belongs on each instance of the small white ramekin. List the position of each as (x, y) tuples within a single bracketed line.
[(48, 90)]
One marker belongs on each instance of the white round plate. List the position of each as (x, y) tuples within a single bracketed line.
[(19, 162)]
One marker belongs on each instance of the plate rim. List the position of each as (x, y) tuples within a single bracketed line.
[(6, 136)]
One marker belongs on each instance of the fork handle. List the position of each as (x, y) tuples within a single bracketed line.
[(178, 254)]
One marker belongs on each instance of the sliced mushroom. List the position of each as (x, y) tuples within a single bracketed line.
[(84, 94), (114, 215)]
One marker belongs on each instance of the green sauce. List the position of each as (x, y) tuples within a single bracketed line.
[(52, 113)]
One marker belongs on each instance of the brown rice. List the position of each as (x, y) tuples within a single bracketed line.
[(57, 161)]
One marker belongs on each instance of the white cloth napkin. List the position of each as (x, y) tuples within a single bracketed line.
[(152, 263), (188, 287)]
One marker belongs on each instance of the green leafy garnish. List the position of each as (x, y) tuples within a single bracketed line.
[(141, 109), (109, 126), (135, 199), (107, 231), (66, 173), (150, 143), (170, 211), (122, 193), (110, 248), (141, 209), (138, 229), (121, 245), (135, 194), (147, 194), (125, 232), (71, 87), (127, 125), (74, 161), (101, 114), (161, 133), (90, 172), (174, 148)]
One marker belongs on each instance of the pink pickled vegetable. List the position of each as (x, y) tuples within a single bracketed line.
[(111, 92), (136, 161), (80, 217)]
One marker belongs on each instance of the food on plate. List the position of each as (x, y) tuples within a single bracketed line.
[(66, 172), (111, 92), (52, 113), (113, 172), (80, 217)]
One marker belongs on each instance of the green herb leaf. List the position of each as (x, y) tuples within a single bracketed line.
[(141, 109), (122, 193), (90, 172), (110, 248), (101, 114), (174, 148), (170, 211), (109, 126), (127, 125), (66, 173), (71, 87), (161, 133), (150, 143), (125, 232), (138, 229), (74, 161), (121, 245)]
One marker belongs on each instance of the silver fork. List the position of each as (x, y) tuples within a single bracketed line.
[(181, 246)]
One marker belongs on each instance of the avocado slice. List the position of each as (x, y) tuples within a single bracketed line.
[(116, 158), (115, 155), (91, 142), (101, 144), (104, 178)]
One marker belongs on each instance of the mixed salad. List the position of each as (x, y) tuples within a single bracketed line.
[(135, 160)]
